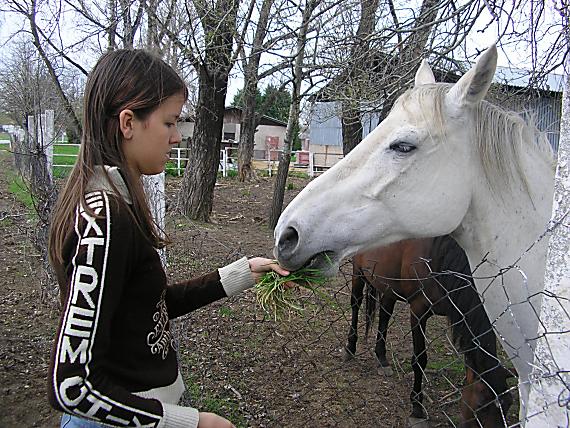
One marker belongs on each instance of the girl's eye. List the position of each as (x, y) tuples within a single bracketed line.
[(170, 124), (402, 147)]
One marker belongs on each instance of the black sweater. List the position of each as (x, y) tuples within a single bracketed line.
[(114, 358)]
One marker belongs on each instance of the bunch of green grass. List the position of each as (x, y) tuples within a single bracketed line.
[(276, 300)]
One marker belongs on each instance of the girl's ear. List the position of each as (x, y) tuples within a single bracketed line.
[(126, 123)]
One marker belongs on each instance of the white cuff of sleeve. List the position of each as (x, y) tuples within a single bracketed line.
[(236, 277), (179, 417)]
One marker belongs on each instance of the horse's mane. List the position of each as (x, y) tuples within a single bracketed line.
[(467, 317), (501, 135), (471, 329)]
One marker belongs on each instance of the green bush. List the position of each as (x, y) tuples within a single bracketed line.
[(171, 169), (298, 174)]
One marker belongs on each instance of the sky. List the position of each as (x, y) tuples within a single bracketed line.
[(512, 56)]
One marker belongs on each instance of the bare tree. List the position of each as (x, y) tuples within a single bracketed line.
[(551, 364), (26, 90), (213, 64), (251, 79), (417, 37), (29, 10), (351, 123), (279, 36), (298, 76)]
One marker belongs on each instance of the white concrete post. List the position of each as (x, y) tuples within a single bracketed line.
[(311, 164), (30, 144), (549, 399), (47, 139), (155, 193), (178, 161), (224, 157)]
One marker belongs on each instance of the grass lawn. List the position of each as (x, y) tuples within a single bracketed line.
[(64, 155), (4, 141)]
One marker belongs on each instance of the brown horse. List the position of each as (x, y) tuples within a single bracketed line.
[(434, 277)]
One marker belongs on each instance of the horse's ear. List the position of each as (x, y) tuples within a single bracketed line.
[(474, 84), (424, 75)]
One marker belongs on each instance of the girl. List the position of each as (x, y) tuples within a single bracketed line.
[(114, 359)]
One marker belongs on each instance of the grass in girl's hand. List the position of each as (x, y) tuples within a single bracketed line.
[(276, 300)]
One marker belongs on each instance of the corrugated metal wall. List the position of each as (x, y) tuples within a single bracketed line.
[(325, 128), (544, 108)]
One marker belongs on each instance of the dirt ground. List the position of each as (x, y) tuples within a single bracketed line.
[(235, 361)]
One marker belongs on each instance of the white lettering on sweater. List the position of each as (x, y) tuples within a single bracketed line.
[(85, 282), (67, 350), (66, 388), (160, 339), (76, 393)]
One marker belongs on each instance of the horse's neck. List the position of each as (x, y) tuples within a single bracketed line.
[(501, 229), (499, 237)]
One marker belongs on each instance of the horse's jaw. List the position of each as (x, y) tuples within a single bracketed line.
[(326, 262), (299, 245), (301, 241), (293, 252)]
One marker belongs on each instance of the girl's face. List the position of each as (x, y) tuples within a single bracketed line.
[(146, 143)]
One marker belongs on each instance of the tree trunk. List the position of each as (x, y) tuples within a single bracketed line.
[(249, 120), (196, 194), (247, 140), (197, 190), (351, 126), (112, 29), (279, 187), (549, 391), (351, 115), (128, 30), (292, 123)]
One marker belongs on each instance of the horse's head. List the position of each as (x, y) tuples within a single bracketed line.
[(409, 178), (483, 403)]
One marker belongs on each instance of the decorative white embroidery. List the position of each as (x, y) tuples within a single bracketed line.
[(160, 339)]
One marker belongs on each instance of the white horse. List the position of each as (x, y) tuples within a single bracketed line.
[(443, 161)]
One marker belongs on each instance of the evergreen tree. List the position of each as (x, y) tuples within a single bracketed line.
[(279, 102), (273, 102)]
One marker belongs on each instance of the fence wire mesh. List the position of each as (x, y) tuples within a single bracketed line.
[(422, 347), (442, 364)]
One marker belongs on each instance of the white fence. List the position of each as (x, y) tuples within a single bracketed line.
[(312, 161), (228, 161)]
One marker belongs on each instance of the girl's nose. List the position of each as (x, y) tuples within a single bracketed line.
[(176, 137)]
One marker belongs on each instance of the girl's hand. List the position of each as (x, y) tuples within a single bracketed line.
[(211, 420), (260, 265)]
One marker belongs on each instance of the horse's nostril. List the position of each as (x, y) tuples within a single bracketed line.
[(288, 241)]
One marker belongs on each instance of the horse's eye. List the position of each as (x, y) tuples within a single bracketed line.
[(402, 147)]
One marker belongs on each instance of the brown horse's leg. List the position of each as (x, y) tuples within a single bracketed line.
[(419, 360), (385, 313), (356, 297)]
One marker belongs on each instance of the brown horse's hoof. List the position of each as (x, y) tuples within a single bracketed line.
[(417, 423), (385, 371), (346, 355)]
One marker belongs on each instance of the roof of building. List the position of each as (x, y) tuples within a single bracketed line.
[(522, 78), (265, 120)]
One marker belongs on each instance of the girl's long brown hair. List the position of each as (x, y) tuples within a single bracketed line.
[(123, 79)]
